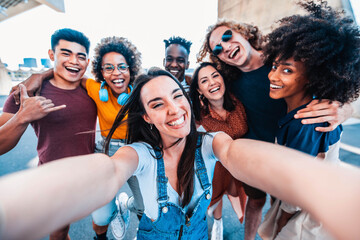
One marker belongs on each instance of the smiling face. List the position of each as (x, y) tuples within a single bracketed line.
[(288, 81), (176, 61), (117, 81), (236, 51), (167, 108), (70, 63), (211, 84)]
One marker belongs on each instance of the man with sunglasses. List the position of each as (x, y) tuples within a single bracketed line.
[(71, 130), (236, 49), (176, 59)]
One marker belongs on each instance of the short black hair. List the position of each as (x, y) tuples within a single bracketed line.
[(119, 45), (178, 40), (327, 43), (70, 35)]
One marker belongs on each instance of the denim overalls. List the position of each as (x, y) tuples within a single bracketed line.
[(173, 222)]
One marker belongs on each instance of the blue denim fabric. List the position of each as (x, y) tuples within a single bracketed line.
[(173, 222)]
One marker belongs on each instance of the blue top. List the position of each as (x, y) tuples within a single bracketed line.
[(173, 222), (263, 113), (146, 174), (292, 133)]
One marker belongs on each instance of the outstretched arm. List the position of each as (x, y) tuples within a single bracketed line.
[(56, 194), (60, 192), (330, 193), (323, 111), (12, 126)]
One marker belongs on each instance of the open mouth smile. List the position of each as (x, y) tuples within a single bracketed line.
[(118, 82), (214, 89), (73, 69), (273, 86), (174, 72), (177, 121), (234, 52)]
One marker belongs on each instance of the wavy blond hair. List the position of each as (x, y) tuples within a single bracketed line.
[(250, 32)]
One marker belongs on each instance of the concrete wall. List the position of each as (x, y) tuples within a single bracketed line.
[(5, 80), (356, 107), (262, 13)]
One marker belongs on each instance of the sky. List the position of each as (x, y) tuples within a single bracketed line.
[(355, 4), (145, 23)]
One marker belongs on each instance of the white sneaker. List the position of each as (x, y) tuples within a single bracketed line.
[(217, 230), (120, 223)]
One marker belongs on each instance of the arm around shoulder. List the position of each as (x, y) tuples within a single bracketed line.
[(333, 112), (83, 82), (33, 84)]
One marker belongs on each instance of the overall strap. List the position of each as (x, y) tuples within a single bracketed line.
[(161, 178), (200, 166)]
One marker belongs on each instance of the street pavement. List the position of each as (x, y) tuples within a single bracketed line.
[(24, 156)]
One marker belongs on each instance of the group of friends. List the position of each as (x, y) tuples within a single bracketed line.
[(182, 143)]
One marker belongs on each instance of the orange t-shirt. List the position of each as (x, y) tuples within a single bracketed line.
[(106, 111)]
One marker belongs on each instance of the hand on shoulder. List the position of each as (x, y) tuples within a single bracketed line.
[(332, 112)]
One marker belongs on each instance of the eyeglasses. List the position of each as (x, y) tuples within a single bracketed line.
[(109, 68), (225, 37)]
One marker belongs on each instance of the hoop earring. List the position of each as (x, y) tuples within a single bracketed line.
[(201, 98)]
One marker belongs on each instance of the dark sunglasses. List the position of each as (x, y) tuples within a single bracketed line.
[(225, 37), (109, 68)]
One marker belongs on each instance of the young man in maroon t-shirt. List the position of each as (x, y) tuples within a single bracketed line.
[(71, 130)]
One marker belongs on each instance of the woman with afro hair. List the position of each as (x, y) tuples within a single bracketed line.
[(115, 65), (316, 56)]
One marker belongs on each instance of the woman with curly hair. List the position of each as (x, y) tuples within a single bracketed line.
[(116, 64), (215, 109), (312, 56)]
